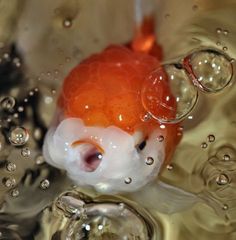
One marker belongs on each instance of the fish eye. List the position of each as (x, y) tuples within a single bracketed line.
[(141, 145)]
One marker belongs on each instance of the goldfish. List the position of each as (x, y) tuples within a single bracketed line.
[(103, 134)]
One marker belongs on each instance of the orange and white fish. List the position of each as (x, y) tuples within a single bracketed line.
[(103, 136)]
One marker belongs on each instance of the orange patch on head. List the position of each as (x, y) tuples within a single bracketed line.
[(105, 88)]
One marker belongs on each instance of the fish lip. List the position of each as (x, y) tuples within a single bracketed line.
[(90, 160)]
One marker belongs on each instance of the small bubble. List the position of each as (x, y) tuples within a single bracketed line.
[(149, 160), (162, 126), (39, 159), (222, 179), (121, 206), (7, 103), (67, 23), (218, 43), (6, 56), (15, 193), (45, 184), (218, 30), (36, 89), (226, 32), (100, 227), (31, 93), (19, 136), (26, 100), (25, 152), (204, 145), (128, 180), (9, 182), (53, 91), (211, 138), (146, 117), (15, 115), (160, 138), (226, 157), (225, 48), (17, 62), (20, 109), (38, 134), (169, 167), (87, 227), (48, 99), (225, 207), (11, 167)]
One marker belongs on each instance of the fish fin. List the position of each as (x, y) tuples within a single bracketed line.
[(166, 198)]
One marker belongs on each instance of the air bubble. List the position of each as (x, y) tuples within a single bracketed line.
[(211, 138), (204, 145), (7, 103), (222, 179), (149, 161), (67, 23), (226, 157), (225, 48), (31, 93), (146, 117), (6, 56), (11, 166), (18, 136), (169, 167), (15, 193), (211, 70), (39, 159), (225, 207), (226, 32), (160, 138), (9, 182), (20, 109), (128, 180), (218, 30), (45, 184), (25, 152), (17, 62), (168, 94)]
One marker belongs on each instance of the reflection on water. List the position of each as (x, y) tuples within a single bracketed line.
[(46, 201)]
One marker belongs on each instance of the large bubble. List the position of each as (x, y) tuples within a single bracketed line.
[(211, 70), (178, 99)]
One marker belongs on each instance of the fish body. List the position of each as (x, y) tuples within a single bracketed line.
[(103, 136)]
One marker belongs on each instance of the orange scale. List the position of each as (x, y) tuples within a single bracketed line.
[(77, 77), (113, 79), (86, 99), (97, 118), (125, 111)]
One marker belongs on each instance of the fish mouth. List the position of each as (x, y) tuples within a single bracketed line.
[(92, 157)]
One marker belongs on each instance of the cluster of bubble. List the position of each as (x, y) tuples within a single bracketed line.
[(218, 174), (99, 220), (207, 70)]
